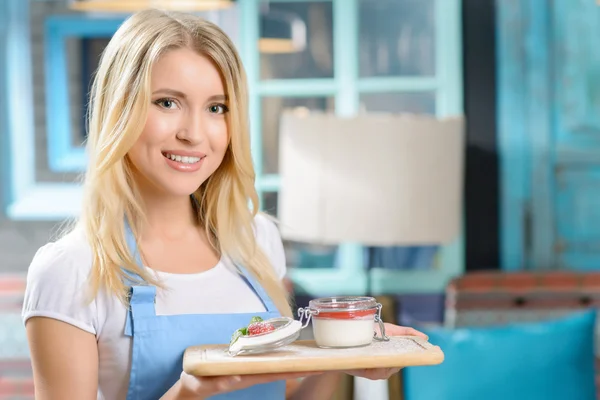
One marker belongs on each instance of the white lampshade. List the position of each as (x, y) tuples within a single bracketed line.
[(377, 179)]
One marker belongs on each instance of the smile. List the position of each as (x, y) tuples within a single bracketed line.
[(183, 159), (184, 163)]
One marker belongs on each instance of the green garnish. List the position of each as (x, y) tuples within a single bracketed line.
[(243, 331), (240, 332)]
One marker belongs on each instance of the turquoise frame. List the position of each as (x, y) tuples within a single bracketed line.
[(524, 106), (351, 276), (4, 139), (62, 155), (25, 198), (511, 109)]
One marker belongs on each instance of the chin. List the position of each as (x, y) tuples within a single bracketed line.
[(180, 189), (183, 191)]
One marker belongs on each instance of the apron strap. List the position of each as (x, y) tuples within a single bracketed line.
[(258, 289), (131, 278), (141, 305), (131, 244), (141, 298)]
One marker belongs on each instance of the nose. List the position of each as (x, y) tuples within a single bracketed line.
[(192, 129)]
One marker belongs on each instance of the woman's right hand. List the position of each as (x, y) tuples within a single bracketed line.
[(192, 387)]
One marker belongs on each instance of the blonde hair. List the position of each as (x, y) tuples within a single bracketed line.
[(119, 102)]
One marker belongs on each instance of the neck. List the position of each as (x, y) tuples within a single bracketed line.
[(169, 217)]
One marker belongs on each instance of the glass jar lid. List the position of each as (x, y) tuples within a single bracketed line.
[(342, 304)]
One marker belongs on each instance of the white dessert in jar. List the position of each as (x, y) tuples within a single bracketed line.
[(342, 333), (343, 321)]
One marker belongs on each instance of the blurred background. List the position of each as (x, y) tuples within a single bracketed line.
[(505, 296)]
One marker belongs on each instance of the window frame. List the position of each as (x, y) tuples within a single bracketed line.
[(346, 86), (24, 197), (63, 156)]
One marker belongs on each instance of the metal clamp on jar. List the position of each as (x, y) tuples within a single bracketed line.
[(342, 322)]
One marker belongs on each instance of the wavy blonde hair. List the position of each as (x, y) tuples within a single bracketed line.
[(119, 101)]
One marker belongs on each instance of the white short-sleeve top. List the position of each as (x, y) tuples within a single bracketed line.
[(57, 279)]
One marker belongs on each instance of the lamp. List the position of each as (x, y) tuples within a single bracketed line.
[(128, 6), (281, 32), (377, 179)]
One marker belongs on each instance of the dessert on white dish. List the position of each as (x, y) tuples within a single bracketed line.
[(263, 336), (342, 322), (337, 322)]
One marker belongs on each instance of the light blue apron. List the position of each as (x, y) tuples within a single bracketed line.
[(159, 341)]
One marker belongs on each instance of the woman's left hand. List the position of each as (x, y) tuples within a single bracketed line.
[(386, 373), (395, 330)]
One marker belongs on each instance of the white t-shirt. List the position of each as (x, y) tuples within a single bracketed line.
[(58, 275)]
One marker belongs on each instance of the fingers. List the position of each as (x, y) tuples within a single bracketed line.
[(374, 374), (395, 330), (228, 384), (211, 385), (414, 332), (388, 373), (265, 378)]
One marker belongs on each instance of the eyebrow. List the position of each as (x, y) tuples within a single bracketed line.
[(177, 93), (219, 97)]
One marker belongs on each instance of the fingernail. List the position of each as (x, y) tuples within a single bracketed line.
[(224, 384)]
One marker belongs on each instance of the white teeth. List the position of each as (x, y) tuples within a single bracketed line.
[(183, 159)]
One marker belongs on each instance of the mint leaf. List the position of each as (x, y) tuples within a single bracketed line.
[(256, 319), (240, 332)]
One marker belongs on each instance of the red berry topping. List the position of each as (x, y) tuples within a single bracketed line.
[(258, 328)]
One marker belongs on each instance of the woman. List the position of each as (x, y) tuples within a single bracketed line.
[(166, 252)]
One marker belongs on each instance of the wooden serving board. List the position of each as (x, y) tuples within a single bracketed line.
[(304, 355)]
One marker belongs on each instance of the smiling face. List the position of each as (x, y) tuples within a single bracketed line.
[(186, 136)]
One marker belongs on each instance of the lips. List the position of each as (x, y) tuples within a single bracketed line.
[(184, 161)]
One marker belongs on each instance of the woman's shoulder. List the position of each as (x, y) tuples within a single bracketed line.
[(265, 228), (72, 250), (269, 239), (70, 246), (57, 282)]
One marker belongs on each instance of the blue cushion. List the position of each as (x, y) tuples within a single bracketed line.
[(523, 361)]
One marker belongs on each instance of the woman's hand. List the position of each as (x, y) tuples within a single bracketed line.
[(395, 330), (192, 387), (386, 373)]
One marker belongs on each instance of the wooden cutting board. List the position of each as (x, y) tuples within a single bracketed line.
[(304, 355)]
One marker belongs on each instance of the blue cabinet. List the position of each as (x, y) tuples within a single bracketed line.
[(549, 113)]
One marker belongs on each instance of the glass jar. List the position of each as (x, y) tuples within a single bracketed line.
[(342, 322)]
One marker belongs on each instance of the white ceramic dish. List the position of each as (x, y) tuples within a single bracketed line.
[(286, 331)]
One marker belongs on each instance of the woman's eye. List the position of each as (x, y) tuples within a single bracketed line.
[(166, 103), (218, 109)]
